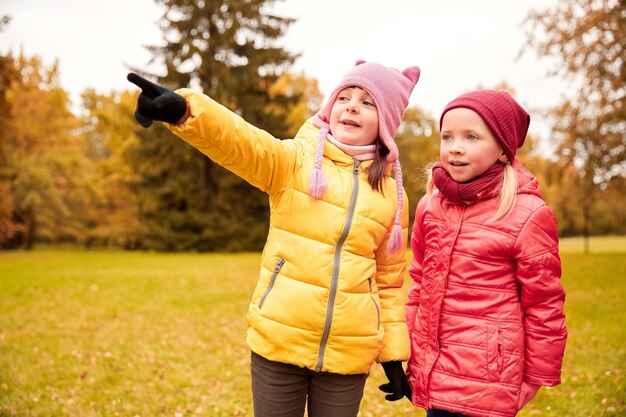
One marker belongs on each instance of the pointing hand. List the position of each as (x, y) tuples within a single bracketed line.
[(156, 102)]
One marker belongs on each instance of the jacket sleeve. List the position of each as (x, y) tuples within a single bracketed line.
[(238, 146), (542, 298), (415, 268), (390, 272)]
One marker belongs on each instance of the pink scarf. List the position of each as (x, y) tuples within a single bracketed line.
[(470, 190), (358, 152)]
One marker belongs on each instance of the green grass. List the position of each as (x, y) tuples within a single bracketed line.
[(107, 333), (604, 244)]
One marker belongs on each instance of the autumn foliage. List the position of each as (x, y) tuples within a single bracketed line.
[(94, 177)]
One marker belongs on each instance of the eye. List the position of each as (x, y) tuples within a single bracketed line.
[(369, 103), (446, 137), (472, 137), (342, 98)]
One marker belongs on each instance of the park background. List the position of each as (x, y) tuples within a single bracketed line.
[(128, 258)]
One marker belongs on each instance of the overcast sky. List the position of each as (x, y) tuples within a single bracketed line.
[(459, 45)]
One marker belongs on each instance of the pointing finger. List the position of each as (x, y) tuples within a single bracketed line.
[(149, 88)]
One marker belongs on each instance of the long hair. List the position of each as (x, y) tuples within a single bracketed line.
[(376, 171), (508, 192), (507, 195)]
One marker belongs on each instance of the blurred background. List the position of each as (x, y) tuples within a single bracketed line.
[(75, 167)]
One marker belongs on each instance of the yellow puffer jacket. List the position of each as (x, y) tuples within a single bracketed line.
[(328, 298)]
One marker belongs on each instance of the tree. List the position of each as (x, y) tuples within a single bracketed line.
[(8, 74), (293, 98), (228, 50), (588, 38), (110, 133), (42, 158), (8, 226), (418, 144)]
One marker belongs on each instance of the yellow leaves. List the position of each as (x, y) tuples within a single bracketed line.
[(290, 86)]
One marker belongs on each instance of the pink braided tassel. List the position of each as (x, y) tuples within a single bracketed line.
[(395, 240), (317, 183)]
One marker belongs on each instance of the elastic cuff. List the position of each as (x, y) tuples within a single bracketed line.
[(185, 116)]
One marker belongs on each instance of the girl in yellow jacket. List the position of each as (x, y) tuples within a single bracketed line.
[(329, 300)]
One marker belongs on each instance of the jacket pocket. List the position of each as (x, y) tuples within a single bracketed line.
[(495, 358), (277, 269), (369, 280)]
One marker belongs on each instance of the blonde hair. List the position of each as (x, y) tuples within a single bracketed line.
[(506, 197)]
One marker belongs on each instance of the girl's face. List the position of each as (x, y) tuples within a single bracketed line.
[(354, 117), (468, 148)]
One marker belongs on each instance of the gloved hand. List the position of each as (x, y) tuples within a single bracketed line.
[(398, 385), (156, 102)]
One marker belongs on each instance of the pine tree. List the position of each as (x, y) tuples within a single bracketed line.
[(227, 49)]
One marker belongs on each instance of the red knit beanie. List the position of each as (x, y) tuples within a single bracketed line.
[(506, 119)]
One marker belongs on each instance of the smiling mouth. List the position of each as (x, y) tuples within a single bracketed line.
[(350, 123), (458, 164)]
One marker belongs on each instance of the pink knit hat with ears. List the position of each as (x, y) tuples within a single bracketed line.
[(390, 90), (505, 118)]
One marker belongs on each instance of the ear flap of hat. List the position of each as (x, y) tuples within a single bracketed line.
[(412, 73), (359, 62)]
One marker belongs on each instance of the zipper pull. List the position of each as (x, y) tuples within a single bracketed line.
[(357, 164), (279, 265)]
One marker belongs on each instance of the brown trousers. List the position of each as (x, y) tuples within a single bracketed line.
[(282, 390)]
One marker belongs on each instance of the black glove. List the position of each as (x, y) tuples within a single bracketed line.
[(156, 102), (398, 385)]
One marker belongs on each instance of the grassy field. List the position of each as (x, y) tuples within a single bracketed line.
[(106, 333)]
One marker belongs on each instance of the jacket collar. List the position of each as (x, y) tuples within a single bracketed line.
[(309, 133)]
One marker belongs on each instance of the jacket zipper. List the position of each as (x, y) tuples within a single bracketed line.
[(369, 280), (335, 276), (277, 268)]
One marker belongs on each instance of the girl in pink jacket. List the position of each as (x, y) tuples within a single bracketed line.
[(485, 310)]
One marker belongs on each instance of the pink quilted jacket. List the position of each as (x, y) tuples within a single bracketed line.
[(485, 308)]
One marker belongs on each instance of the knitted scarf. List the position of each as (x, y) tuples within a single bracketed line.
[(358, 152), (470, 190)]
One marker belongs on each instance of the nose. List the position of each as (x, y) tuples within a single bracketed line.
[(455, 146), (352, 106)]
